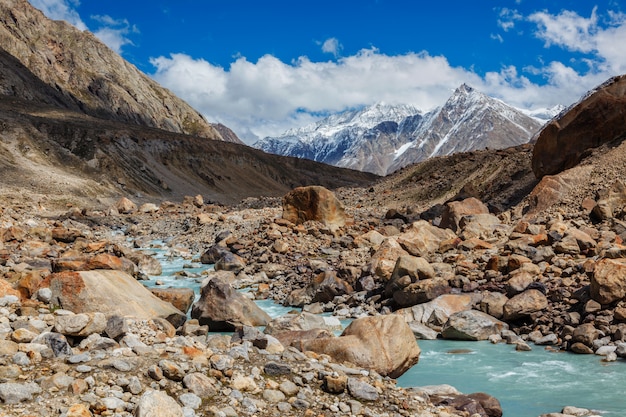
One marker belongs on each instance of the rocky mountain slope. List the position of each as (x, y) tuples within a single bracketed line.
[(383, 138), (73, 69), (79, 122), (58, 156)]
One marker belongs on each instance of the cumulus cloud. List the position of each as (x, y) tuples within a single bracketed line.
[(60, 10), (114, 32), (332, 46), (601, 39), (268, 96)]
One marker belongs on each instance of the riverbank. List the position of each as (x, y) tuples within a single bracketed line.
[(375, 264)]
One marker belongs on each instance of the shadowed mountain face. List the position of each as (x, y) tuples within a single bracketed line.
[(60, 153), (87, 76)]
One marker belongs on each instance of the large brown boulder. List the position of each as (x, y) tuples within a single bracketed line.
[(455, 210), (385, 344), (109, 292), (422, 238), (524, 304), (223, 309), (599, 118), (608, 283), (313, 203)]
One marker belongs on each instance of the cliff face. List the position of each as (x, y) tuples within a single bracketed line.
[(80, 73)]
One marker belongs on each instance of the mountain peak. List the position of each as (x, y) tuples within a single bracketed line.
[(464, 89)]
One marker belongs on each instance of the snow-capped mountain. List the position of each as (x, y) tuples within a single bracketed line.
[(382, 138)]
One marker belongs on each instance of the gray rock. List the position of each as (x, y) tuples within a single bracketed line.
[(171, 370), (190, 400), (471, 325), (273, 396), (157, 403), (200, 384), (362, 390), (13, 393), (275, 369), (54, 341)]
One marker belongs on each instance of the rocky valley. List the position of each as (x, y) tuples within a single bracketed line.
[(521, 246)]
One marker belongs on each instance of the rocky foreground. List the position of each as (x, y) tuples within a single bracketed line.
[(80, 336)]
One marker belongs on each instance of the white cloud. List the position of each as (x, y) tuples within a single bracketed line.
[(114, 32), (60, 10), (508, 18), (567, 29), (269, 96), (332, 46), (602, 41)]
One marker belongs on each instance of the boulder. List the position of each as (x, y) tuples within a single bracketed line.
[(230, 262), (181, 298), (608, 282), (125, 206), (414, 267), (421, 292), (157, 403), (598, 118), (436, 313), (493, 303), (524, 304), (383, 261), (611, 201), (109, 292), (423, 239), (553, 188), (383, 343), (585, 333), (479, 226), (223, 309), (326, 286), (313, 203), (472, 325), (455, 210)]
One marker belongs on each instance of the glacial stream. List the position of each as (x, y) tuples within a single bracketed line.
[(527, 384)]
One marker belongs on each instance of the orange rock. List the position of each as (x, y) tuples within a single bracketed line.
[(7, 289)]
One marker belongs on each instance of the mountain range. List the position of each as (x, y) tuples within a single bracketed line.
[(383, 138)]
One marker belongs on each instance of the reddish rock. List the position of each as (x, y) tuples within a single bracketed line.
[(109, 292), (597, 119), (524, 304), (552, 188), (423, 239), (66, 235), (125, 206), (313, 203), (181, 298), (608, 282), (455, 210), (7, 289)]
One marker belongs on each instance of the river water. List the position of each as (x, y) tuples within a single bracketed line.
[(527, 384)]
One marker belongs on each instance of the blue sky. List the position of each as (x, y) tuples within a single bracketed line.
[(261, 67)]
